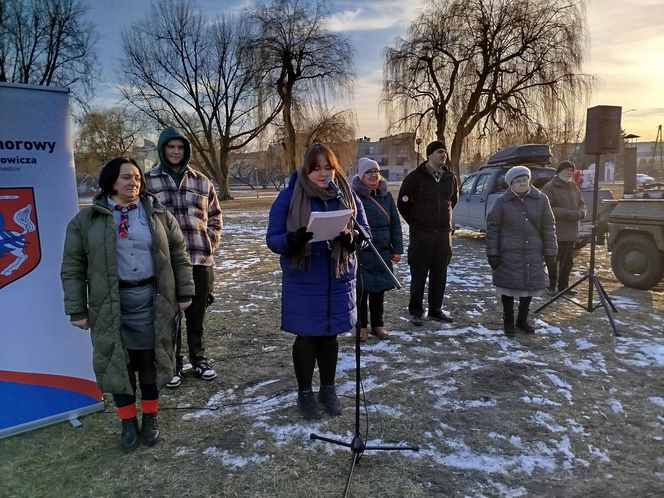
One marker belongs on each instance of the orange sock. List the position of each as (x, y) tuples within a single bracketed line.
[(150, 405), (126, 412)]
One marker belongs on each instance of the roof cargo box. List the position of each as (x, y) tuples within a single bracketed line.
[(515, 155)]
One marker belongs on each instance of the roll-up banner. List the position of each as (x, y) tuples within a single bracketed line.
[(45, 363)]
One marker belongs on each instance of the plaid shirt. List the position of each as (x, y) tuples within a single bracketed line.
[(196, 207)]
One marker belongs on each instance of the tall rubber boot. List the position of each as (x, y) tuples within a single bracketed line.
[(522, 317), (508, 314)]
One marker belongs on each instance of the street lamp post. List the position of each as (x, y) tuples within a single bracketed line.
[(418, 141)]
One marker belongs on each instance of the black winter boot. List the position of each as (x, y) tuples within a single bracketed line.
[(522, 317), (328, 397), (150, 429), (129, 434), (508, 314), (308, 405)]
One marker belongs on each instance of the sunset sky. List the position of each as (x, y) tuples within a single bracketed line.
[(626, 52)]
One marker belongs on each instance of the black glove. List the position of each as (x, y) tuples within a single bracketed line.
[(346, 239), (299, 237), (550, 261), (494, 261)]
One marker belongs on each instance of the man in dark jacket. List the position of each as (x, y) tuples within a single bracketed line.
[(568, 209), (192, 199), (426, 199)]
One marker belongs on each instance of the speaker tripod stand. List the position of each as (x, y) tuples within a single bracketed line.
[(593, 280), (357, 444)]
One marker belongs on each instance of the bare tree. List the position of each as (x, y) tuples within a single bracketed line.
[(202, 76), (110, 133), (486, 66), (307, 62), (47, 42)]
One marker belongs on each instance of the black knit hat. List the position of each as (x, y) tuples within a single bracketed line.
[(434, 146), (564, 165)]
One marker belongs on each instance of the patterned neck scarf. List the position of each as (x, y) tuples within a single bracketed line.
[(123, 227)]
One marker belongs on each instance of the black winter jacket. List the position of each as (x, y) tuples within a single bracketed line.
[(425, 204)]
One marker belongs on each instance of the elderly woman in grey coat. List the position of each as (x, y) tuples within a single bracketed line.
[(125, 275), (520, 238)]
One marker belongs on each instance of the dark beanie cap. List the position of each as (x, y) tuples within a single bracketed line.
[(434, 146), (564, 165)]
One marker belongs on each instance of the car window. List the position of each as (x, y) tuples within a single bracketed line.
[(500, 182), (467, 185), (481, 185)]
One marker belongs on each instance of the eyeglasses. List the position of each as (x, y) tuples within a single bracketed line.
[(372, 172)]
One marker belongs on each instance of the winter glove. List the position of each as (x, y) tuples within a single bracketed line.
[(494, 261), (550, 261), (299, 237), (346, 239)]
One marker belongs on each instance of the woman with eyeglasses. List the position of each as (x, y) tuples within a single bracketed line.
[(386, 236)]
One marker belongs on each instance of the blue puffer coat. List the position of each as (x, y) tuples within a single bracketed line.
[(313, 302), (385, 235), (521, 230)]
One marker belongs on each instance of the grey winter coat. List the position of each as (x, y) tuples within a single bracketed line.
[(90, 282), (385, 235), (521, 231), (568, 208)]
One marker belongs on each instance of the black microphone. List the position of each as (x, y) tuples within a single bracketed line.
[(335, 187)]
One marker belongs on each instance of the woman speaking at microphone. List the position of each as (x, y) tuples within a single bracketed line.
[(318, 279)]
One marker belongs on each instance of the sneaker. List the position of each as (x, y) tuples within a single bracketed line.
[(176, 380), (439, 316), (551, 291), (416, 320), (570, 292), (309, 407), (328, 398), (204, 371)]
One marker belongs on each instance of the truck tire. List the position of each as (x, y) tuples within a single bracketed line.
[(636, 262)]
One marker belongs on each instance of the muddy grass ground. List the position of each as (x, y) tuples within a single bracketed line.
[(571, 411)]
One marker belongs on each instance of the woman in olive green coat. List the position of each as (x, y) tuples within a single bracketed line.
[(126, 275)]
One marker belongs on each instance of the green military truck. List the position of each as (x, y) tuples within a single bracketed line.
[(636, 242)]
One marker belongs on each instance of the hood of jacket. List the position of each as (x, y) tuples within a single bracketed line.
[(169, 134)]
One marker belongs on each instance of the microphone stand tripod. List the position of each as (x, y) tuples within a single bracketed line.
[(605, 300), (357, 445)]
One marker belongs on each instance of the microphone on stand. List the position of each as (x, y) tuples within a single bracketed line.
[(335, 187)]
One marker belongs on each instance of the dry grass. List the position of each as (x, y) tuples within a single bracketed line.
[(567, 412)]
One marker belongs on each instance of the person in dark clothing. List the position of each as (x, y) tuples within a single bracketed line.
[(386, 237), (427, 197), (568, 209), (520, 238)]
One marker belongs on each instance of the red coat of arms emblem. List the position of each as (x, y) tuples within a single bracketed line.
[(20, 251)]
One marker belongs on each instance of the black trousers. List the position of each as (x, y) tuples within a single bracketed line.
[(429, 254), (375, 309), (559, 274), (195, 315), (309, 350), (141, 361)]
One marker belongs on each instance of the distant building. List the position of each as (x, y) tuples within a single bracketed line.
[(395, 154)]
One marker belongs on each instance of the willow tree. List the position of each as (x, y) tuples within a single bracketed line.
[(201, 75), (486, 66), (307, 62)]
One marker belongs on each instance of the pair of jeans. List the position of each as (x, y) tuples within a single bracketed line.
[(374, 310), (429, 254)]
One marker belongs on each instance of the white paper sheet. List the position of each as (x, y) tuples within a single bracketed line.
[(326, 225)]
